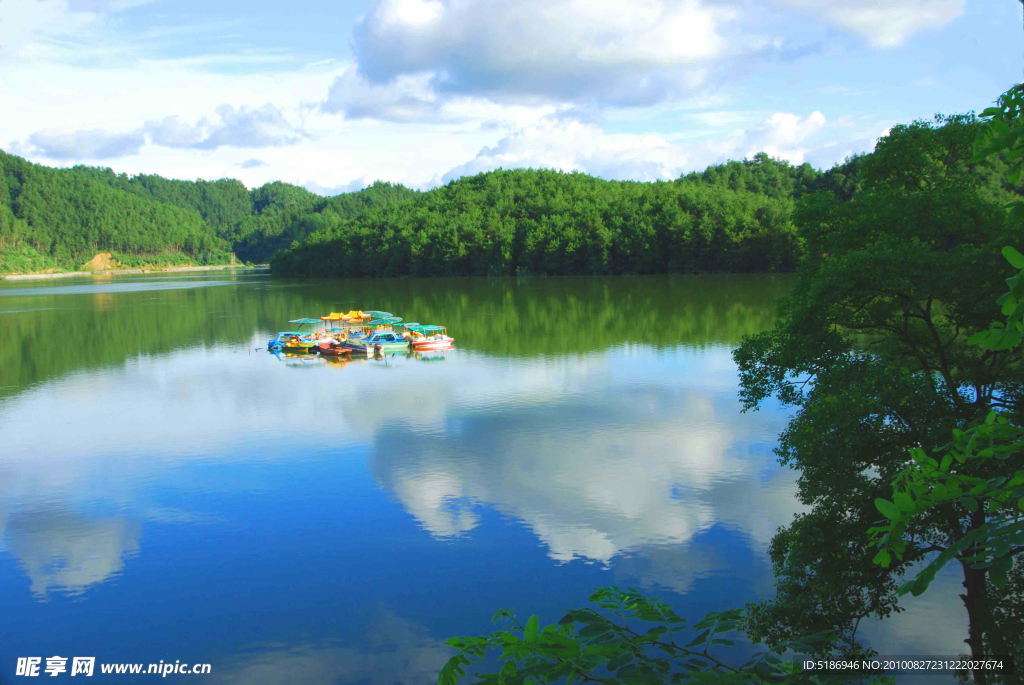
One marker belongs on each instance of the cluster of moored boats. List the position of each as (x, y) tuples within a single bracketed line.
[(359, 333)]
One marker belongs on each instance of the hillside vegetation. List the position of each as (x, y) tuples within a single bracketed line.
[(61, 218), (735, 217), (547, 222)]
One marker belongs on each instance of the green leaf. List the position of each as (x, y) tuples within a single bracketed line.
[(1015, 258), (969, 503), (699, 639), (883, 558), (532, 628), (978, 338), (904, 502), (593, 630), (620, 661), (507, 671), (997, 575), (888, 509)]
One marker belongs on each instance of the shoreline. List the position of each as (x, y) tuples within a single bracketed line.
[(121, 272)]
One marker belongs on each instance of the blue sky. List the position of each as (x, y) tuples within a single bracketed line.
[(335, 95)]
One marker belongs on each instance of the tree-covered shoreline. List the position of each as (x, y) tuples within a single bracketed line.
[(885, 348), (59, 219), (736, 217)]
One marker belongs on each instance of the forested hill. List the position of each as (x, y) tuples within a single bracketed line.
[(731, 217), (735, 217), (61, 218)]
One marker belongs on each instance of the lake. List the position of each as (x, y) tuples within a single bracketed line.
[(171, 491)]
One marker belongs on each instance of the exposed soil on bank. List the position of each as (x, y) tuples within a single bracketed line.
[(118, 272), (103, 261)]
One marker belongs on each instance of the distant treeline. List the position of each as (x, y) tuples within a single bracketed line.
[(736, 217), (733, 217), (60, 218), (529, 221)]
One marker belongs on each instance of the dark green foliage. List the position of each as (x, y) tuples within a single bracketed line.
[(872, 350), (629, 639), (25, 258), (734, 217), (546, 222), (761, 174), (69, 215), (66, 216), (223, 204), (284, 214)]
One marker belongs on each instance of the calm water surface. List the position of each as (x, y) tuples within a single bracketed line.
[(168, 491)]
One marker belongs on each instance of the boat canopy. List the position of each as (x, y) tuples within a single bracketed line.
[(304, 321), (354, 314), (372, 314), (425, 329), (333, 316), (410, 326), (386, 321)]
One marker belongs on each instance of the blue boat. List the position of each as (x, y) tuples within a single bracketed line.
[(381, 340), (292, 341)]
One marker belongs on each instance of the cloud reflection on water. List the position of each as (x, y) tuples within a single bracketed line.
[(594, 472), (627, 458), (599, 455), (60, 550), (395, 651)]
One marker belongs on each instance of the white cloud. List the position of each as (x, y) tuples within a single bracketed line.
[(245, 127), (884, 23), (783, 135), (435, 88), (35, 28), (328, 191), (86, 144), (408, 98), (572, 145), (561, 50)]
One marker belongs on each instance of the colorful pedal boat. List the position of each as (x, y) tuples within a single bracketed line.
[(291, 341), (430, 338), (332, 348), (378, 341)]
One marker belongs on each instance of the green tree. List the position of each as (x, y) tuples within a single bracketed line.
[(871, 349), (60, 218), (547, 222), (635, 640)]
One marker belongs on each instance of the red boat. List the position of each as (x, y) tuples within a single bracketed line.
[(430, 338), (330, 348)]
